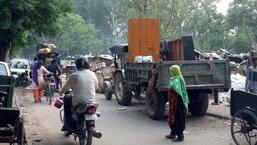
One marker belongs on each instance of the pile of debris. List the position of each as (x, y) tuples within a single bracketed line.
[(101, 65), (237, 83), (238, 62)]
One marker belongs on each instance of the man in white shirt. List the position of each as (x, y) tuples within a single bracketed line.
[(83, 84)]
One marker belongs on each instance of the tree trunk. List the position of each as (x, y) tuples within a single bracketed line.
[(4, 49)]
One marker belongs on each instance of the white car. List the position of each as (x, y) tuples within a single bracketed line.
[(19, 66)]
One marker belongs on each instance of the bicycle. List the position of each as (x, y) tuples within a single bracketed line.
[(50, 88)]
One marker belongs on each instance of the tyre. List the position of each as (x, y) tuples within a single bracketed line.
[(22, 134), (155, 103), (122, 91), (89, 137), (22, 139), (51, 93), (100, 79), (50, 100), (199, 105), (82, 140), (107, 92), (243, 127)]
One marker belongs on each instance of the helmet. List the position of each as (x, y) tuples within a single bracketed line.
[(82, 63)]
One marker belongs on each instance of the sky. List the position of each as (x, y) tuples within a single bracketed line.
[(223, 6)]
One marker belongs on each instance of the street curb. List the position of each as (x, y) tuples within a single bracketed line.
[(29, 142), (218, 116)]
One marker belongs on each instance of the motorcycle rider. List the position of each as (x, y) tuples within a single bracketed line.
[(83, 84), (56, 70)]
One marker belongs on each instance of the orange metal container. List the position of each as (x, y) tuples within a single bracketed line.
[(144, 38)]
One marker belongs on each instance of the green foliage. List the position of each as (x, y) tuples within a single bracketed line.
[(105, 23), (200, 19), (20, 20), (94, 12), (75, 37), (242, 17)]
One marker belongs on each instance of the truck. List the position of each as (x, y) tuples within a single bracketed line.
[(137, 80)]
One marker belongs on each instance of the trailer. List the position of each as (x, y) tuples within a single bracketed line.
[(148, 81), (202, 78)]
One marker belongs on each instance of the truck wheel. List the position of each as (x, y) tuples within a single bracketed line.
[(199, 106), (108, 90), (155, 104), (122, 91)]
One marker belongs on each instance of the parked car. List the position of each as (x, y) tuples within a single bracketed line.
[(6, 85), (19, 66)]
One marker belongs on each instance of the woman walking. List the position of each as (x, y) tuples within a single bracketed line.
[(38, 80), (178, 104)]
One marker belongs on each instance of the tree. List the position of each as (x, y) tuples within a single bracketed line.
[(26, 19), (94, 12), (76, 36), (242, 18)]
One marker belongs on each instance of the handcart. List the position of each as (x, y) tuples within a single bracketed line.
[(12, 127), (244, 117)]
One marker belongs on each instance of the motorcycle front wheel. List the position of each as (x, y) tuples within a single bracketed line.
[(86, 138)]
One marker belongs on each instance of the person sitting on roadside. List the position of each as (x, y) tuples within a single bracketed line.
[(251, 77), (83, 84), (57, 72)]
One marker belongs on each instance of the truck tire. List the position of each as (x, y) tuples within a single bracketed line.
[(155, 104), (108, 90), (122, 91), (199, 106)]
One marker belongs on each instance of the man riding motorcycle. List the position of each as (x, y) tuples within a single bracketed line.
[(83, 84)]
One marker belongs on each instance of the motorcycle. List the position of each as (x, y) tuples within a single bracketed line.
[(22, 80), (81, 121)]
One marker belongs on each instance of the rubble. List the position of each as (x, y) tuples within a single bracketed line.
[(238, 62), (237, 83)]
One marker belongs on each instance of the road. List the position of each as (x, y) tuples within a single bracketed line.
[(127, 127)]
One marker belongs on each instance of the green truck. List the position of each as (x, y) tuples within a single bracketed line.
[(131, 80)]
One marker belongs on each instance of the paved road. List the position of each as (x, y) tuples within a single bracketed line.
[(128, 127)]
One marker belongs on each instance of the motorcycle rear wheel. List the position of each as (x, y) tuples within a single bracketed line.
[(86, 139), (89, 137)]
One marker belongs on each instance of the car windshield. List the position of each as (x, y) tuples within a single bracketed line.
[(19, 65), (3, 71)]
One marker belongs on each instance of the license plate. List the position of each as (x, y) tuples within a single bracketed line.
[(91, 117)]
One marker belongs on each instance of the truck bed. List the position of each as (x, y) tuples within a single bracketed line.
[(200, 74)]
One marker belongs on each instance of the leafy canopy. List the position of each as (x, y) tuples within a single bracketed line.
[(21, 20)]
